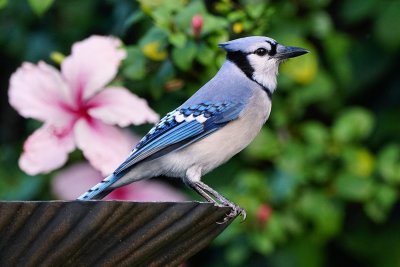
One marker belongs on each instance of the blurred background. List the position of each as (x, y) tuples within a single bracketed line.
[(320, 183)]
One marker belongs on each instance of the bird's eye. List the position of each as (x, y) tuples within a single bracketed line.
[(261, 51)]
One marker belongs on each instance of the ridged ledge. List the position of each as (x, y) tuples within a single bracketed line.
[(105, 233)]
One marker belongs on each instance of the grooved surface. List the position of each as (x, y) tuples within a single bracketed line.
[(105, 233)]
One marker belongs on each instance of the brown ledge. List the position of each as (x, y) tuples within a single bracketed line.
[(105, 233)]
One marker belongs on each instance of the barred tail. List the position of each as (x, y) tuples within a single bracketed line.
[(100, 190)]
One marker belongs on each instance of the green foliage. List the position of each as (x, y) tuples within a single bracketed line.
[(40, 6), (325, 170), (3, 3)]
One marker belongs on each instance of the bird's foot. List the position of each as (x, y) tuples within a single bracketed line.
[(213, 196), (235, 211)]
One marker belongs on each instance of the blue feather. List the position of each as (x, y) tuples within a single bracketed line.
[(171, 135), (97, 191)]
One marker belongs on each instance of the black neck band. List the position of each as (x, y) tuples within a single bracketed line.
[(240, 60), (266, 89)]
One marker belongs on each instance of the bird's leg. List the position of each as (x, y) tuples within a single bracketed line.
[(192, 179), (200, 191), (223, 202), (193, 174)]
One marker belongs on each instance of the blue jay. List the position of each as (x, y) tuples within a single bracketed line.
[(213, 125)]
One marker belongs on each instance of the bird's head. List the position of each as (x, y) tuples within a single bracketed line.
[(259, 57)]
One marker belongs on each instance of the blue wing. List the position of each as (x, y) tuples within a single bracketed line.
[(180, 128)]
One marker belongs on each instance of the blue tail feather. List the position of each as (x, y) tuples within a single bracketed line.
[(100, 190)]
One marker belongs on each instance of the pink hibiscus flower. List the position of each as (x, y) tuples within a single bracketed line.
[(68, 185), (76, 109)]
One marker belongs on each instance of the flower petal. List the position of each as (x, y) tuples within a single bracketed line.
[(147, 191), (39, 92), (46, 149), (71, 182), (103, 145), (92, 64), (116, 105)]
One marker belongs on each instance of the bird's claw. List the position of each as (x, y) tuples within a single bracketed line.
[(214, 197), (235, 211)]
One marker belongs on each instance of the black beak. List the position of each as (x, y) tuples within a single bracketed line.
[(285, 52)]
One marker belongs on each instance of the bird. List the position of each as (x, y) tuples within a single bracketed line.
[(214, 124)]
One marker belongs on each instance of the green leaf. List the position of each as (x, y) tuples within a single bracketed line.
[(153, 35), (386, 196), (315, 133), (134, 64), (353, 125), (256, 10), (317, 139), (354, 188), (177, 39), (214, 24), (40, 6), (236, 15), (320, 89), (264, 242), (165, 73), (264, 146), (389, 164), (163, 12), (275, 227), (249, 182), (322, 212), (205, 55), (3, 3), (183, 57), (132, 19), (358, 161), (384, 199), (321, 24)]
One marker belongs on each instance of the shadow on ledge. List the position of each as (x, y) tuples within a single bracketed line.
[(105, 233)]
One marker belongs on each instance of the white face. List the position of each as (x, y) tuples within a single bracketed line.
[(265, 66)]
